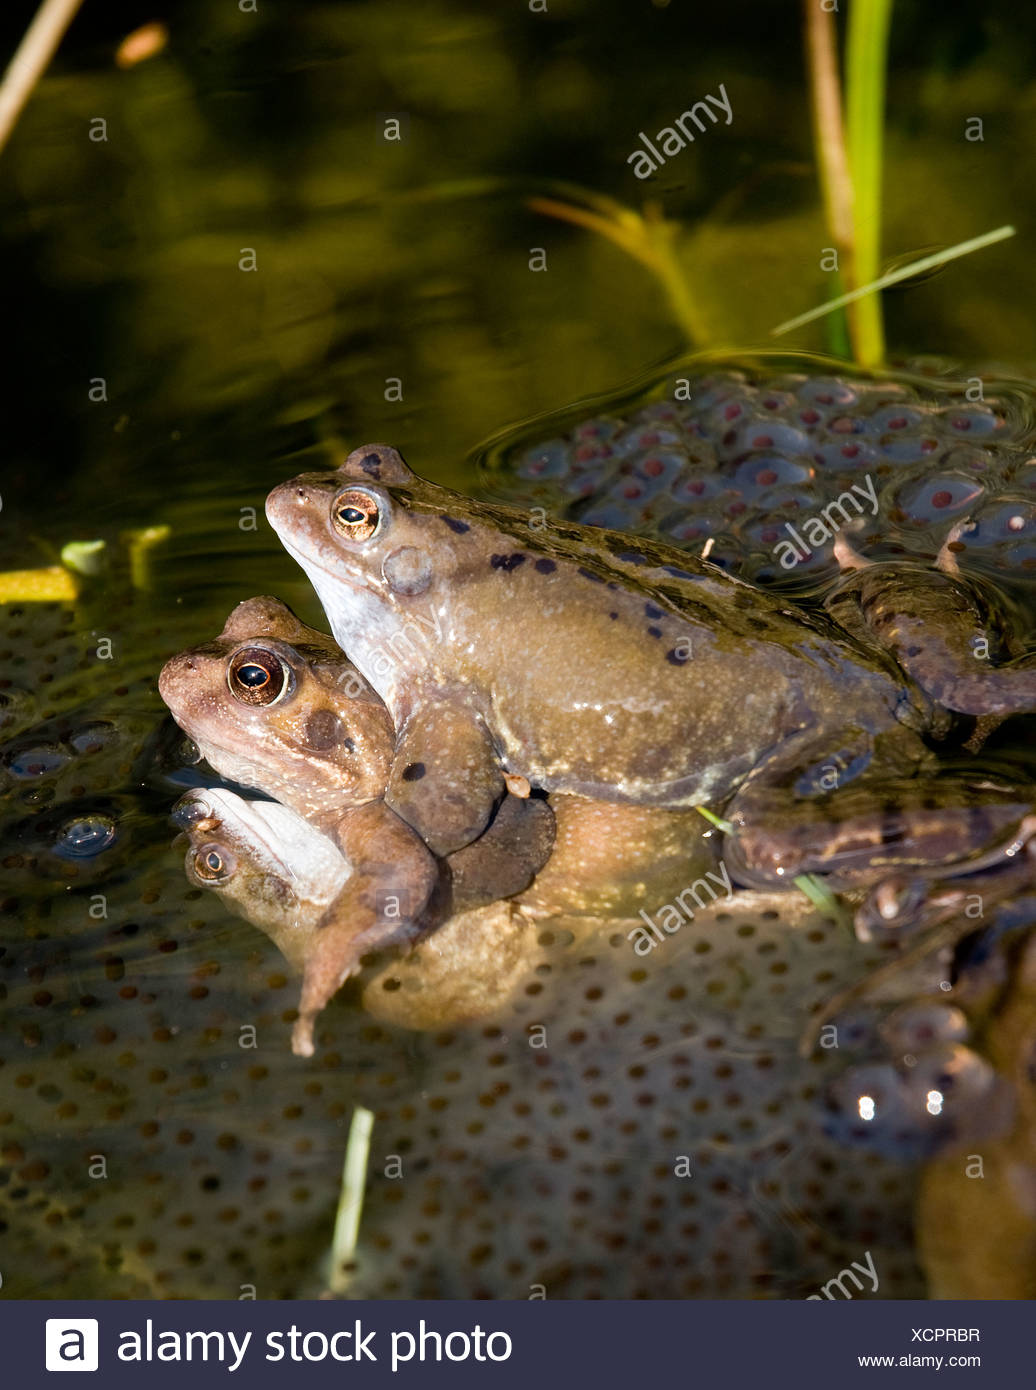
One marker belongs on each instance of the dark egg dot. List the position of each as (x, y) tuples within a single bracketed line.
[(613, 616), (459, 526), (652, 611), (589, 574), (654, 631), (413, 772), (506, 562), (546, 566)]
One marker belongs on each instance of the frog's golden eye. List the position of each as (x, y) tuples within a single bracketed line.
[(259, 677), (355, 514), (213, 864)]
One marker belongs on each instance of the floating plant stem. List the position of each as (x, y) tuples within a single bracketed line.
[(836, 185), (866, 56), (350, 1201), (139, 543), (903, 272), (717, 821), (817, 891), (31, 58)]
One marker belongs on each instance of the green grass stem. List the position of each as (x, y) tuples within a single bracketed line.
[(866, 59)]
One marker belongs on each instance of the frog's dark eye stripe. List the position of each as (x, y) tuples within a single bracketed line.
[(355, 514), (212, 863), (259, 677)]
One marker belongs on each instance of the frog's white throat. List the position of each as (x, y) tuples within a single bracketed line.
[(382, 644)]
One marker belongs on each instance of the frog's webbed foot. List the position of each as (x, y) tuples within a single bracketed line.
[(507, 856), (335, 955), (937, 627), (446, 778), (389, 901)]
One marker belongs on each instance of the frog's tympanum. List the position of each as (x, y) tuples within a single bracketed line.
[(622, 670)]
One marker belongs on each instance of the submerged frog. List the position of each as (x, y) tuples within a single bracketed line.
[(281, 874), (615, 669)]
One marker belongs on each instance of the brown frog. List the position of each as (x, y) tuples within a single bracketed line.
[(622, 670)]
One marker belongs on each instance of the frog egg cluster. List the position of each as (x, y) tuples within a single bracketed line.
[(725, 462)]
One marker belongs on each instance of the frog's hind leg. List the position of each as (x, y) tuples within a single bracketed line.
[(938, 629), (857, 821)]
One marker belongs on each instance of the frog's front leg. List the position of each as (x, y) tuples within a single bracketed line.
[(389, 900), (446, 778), (941, 633), (506, 857), (857, 817)]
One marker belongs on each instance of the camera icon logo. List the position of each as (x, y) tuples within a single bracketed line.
[(71, 1344)]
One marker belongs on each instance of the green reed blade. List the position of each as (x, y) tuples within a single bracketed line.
[(866, 59), (903, 272)]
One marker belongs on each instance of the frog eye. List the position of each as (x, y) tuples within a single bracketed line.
[(213, 864), (355, 514), (259, 677)]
